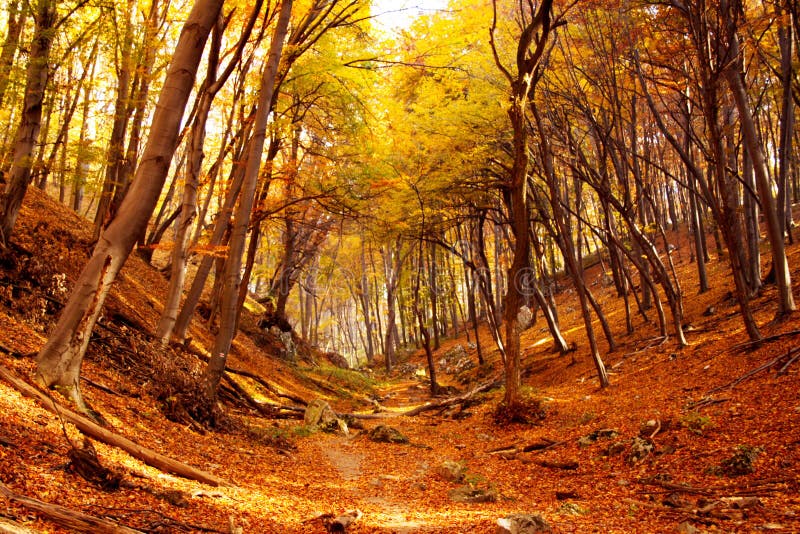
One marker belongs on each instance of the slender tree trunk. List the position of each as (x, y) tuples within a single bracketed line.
[(785, 42), (116, 143), (752, 230), (780, 264), (204, 269), (364, 298), (59, 361), (17, 12), (232, 276), (31, 118), (180, 252)]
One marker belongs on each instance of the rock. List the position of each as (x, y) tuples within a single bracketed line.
[(387, 434), (522, 524), (741, 463), (524, 318), (455, 360), (452, 471), (687, 528), (469, 494), (289, 352), (640, 448), (320, 416), (602, 433)]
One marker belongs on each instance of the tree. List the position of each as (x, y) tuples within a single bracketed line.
[(232, 275), (211, 86), (31, 118), (59, 361), (530, 49)]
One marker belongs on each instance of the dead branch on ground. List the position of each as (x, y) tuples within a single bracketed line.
[(74, 520), (148, 456), (452, 400), (791, 355)]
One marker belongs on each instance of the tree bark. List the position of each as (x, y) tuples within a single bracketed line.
[(28, 131), (783, 281), (116, 142), (16, 19), (232, 275), (59, 361)]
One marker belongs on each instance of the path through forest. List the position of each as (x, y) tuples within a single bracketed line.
[(352, 465)]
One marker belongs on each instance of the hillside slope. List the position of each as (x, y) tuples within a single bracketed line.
[(693, 438)]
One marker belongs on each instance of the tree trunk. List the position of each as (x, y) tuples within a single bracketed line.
[(785, 42), (364, 298), (232, 276), (116, 143), (59, 361), (31, 119), (199, 282), (780, 264), (16, 19)]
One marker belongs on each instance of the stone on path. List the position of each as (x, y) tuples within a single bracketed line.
[(469, 494), (387, 434), (320, 416), (522, 524)]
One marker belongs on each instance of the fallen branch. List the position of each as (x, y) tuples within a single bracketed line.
[(791, 355), (266, 385), (66, 517), (266, 409), (675, 487), (452, 400), (10, 351), (253, 376), (759, 342), (148, 456), (8, 526), (535, 447), (101, 387), (569, 465), (706, 401), (793, 359)]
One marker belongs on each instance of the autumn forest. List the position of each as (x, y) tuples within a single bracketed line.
[(344, 266)]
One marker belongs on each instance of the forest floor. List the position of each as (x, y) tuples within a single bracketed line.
[(699, 439)]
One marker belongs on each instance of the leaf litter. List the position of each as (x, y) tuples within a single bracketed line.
[(663, 396)]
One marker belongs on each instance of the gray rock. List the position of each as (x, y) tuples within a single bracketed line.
[(452, 471), (320, 416), (524, 318), (469, 494), (455, 360), (289, 351), (640, 448), (602, 433), (387, 434), (522, 524)]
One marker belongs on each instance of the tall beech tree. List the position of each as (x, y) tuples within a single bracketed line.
[(19, 177), (59, 361), (232, 275), (211, 86), (531, 47)]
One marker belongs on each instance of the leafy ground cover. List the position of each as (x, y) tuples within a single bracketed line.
[(703, 437)]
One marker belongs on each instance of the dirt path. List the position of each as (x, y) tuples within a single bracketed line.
[(353, 465)]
